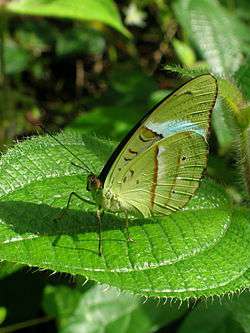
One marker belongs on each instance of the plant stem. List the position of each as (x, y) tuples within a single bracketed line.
[(25, 324)]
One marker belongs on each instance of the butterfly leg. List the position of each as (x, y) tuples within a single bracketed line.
[(99, 214), (129, 238), (61, 215)]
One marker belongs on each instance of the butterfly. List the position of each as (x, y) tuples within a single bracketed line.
[(157, 167)]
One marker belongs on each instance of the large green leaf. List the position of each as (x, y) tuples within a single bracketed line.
[(99, 10), (75, 310), (191, 253), (217, 34)]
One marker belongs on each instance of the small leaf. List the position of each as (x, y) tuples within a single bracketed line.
[(191, 253), (99, 10)]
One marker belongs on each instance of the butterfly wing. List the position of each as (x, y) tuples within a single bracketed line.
[(165, 176), (188, 109)]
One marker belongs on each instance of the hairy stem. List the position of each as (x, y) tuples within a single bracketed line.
[(245, 153)]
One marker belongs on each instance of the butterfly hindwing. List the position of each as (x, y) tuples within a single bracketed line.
[(166, 175)]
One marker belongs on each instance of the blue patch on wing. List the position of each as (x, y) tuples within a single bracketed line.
[(172, 127)]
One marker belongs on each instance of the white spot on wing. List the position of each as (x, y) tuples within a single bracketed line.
[(172, 127)]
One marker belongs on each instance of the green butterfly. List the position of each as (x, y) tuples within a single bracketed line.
[(156, 169)]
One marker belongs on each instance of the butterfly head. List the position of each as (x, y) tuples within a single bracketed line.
[(94, 183), (95, 186)]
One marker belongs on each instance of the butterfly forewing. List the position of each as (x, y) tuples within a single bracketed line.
[(158, 168)]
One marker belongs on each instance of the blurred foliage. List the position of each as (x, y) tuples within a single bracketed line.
[(98, 310), (97, 66)]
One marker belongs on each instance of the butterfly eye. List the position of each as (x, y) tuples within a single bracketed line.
[(93, 183)]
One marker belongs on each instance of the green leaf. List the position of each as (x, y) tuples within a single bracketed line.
[(75, 310), (228, 315), (212, 318), (192, 253), (99, 10), (240, 307), (215, 32)]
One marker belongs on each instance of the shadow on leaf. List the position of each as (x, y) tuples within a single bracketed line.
[(42, 220)]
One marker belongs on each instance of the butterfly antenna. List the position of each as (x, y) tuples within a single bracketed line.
[(84, 165)]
